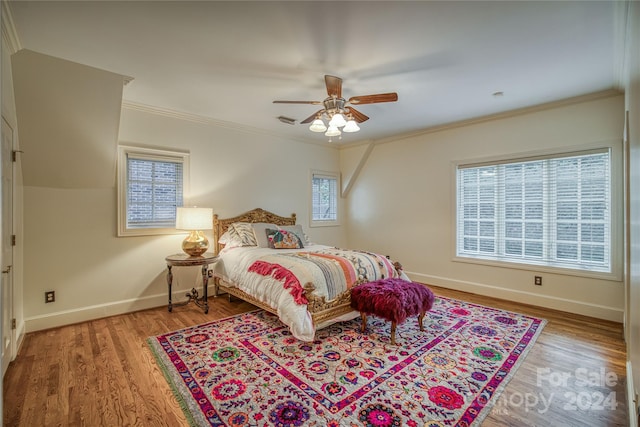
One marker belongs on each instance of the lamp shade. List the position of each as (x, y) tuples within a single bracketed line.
[(194, 218)]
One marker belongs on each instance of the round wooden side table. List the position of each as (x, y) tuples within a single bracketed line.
[(184, 260)]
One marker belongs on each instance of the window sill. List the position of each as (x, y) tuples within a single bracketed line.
[(324, 224), (133, 232)]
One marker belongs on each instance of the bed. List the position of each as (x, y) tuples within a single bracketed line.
[(307, 287)]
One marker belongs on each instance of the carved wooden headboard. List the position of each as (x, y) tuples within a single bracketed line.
[(255, 215)]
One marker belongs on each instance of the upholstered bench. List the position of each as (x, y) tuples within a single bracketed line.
[(392, 299)]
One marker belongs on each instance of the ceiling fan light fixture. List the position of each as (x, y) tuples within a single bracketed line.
[(338, 111), (317, 126), (337, 120), (332, 131), (351, 126)]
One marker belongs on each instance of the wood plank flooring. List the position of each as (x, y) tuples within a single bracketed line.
[(101, 373)]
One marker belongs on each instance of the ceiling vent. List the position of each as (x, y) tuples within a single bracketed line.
[(287, 120)]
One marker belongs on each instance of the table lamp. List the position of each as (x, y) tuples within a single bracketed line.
[(195, 220)]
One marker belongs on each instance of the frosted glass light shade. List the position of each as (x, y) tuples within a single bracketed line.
[(317, 126), (194, 218), (351, 126), (332, 131), (337, 120)]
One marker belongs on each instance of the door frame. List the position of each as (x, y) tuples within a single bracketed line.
[(8, 136)]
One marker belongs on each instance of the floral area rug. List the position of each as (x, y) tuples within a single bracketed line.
[(248, 370)]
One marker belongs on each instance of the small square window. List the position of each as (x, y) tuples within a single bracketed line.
[(151, 185)]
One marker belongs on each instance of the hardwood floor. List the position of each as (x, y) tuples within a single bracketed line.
[(101, 373)]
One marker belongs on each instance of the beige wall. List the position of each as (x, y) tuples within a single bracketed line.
[(402, 203), (66, 111), (71, 244)]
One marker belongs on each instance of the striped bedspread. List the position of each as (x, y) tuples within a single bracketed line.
[(335, 269), (277, 277)]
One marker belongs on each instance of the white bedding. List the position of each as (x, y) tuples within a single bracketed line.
[(234, 264)]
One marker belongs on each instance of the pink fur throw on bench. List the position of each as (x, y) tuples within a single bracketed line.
[(392, 299)]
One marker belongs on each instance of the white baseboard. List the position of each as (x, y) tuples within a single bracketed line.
[(68, 317), (547, 301), (20, 333), (632, 404)]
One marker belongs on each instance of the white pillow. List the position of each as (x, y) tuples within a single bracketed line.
[(260, 232)]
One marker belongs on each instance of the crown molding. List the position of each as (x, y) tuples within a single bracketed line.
[(209, 121), (165, 112), (621, 42), (504, 115), (9, 33)]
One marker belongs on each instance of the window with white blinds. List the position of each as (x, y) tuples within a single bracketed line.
[(324, 198), (154, 191), (551, 211), (152, 186)]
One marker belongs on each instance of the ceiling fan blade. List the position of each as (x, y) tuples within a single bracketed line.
[(334, 85), (298, 102), (357, 115), (312, 117), (372, 99)]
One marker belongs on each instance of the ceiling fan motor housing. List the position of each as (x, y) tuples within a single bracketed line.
[(334, 105)]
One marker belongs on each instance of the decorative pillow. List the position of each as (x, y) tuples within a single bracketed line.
[(230, 239), (259, 231), (245, 233), (283, 239), (298, 230)]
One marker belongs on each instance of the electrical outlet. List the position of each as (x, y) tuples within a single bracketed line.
[(209, 274), (49, 296), (537, 280)]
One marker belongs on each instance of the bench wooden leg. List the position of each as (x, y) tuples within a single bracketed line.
[(363, 326), (420, 318), (393, 333)]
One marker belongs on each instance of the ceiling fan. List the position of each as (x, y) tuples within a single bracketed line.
[(338, 111)]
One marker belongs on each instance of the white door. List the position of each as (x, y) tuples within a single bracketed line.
[(6, 237)]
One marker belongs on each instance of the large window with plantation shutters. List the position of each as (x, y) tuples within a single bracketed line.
[(552, 211)]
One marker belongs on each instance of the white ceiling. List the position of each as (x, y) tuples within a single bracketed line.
[(228, 61)]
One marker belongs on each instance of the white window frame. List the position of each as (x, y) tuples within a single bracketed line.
[(329, 175), (616, 207), (124, 151)]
